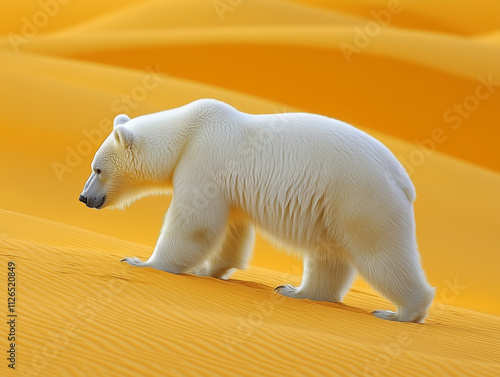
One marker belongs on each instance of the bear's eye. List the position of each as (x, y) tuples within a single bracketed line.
[(98, 171)]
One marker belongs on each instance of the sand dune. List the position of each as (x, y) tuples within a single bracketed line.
[(426, 83), (160, 15), (405, 63), (443, 17), (84, 313)]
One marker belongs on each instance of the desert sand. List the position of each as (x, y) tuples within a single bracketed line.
[(423, 77)]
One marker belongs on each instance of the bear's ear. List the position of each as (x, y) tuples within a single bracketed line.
[(124, 136), (120, 119)]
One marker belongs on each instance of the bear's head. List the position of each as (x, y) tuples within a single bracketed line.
[(118, 173)]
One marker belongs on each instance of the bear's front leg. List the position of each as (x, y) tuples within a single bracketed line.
[(190, 232), (234, 252)]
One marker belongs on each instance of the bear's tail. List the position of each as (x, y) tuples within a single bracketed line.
[(402, 179)]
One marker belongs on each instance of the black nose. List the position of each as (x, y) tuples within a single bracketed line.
[(82, 199)]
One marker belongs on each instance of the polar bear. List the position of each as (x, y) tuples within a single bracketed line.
[(314, 184)]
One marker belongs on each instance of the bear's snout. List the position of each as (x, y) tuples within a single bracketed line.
[(94, 202)]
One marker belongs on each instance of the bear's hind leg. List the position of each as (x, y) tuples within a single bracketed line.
[(234, 252), (323, 279), (397, 275)]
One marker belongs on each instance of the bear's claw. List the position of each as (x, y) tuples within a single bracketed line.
[(385, 314), (286, 290), (277, 289), (135, 262)]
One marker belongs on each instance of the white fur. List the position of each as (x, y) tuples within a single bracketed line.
[(317, 185)]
